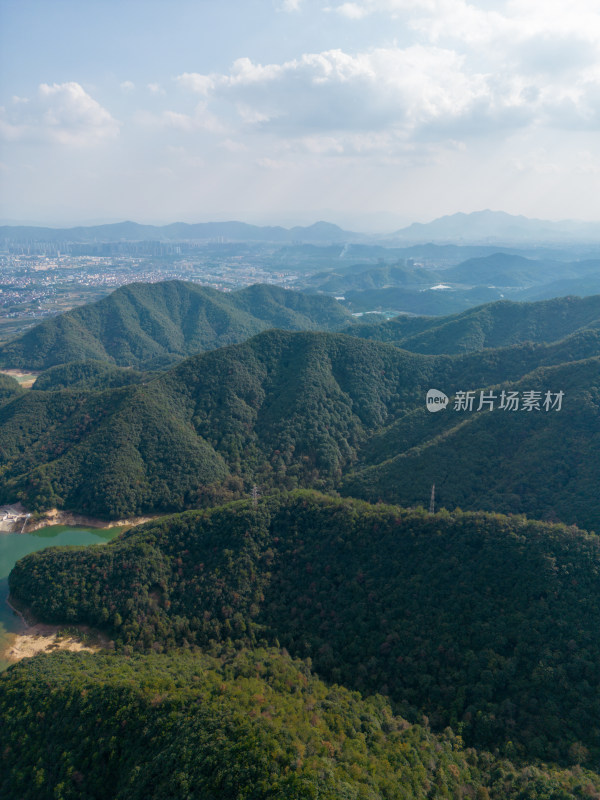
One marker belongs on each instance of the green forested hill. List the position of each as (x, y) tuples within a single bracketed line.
[(280, 409), (425, 301), (311, 409), (485, 623), (504, 269), (158, 323), (510, 270), (582, 287), (245, 726), (492, 325), (88, 375), (545, 465), (380, 277)]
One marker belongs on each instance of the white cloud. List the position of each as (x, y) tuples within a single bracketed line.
[(291, 5), (200, 120), (352, 10), (63, 113), (71, 116), (420, 106), (194, 82), (502, 22), (233, 146), (465, 70), (9, 131), (182, 156), (403, 90)]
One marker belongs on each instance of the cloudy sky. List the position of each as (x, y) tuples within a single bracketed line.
[(370, 114)]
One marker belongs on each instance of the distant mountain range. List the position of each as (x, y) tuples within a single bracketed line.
[(417, 290), (479, 227), (320, 232), (497, 227)]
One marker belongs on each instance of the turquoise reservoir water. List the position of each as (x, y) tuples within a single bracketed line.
[(14, 546)]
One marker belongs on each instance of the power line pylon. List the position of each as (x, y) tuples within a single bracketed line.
[(432, 500)]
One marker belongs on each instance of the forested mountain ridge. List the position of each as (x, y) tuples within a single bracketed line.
[(380, 277), (307, 409), (156, 324), (545, 465), (484, 622), (511, 270), (233, 725), (499, 270), (88, 375), (499, 324)]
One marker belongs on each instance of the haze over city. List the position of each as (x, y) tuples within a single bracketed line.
[(369, 114)]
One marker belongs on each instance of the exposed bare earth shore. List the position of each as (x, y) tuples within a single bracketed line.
[(16, 519), (56, 517), (38, 637), (26, 379), (41, 638)]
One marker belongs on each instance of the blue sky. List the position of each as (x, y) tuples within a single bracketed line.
[(371, 114)]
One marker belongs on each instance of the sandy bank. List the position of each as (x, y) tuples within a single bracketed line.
[(16, 519), (56, 517), (26, 379), (41, 638)]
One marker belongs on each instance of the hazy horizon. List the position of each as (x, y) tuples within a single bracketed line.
[(286, 223), (369, 114)]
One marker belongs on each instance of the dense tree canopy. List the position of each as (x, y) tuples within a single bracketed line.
[(232, 726), (152, 325), (486, 623), (455, 654), (320, 410), (492, 325)]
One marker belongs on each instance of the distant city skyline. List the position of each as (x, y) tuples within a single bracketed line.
[(369, 114)]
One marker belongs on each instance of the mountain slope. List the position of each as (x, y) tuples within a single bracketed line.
[(150, 323), (302, 409), (87, 375), (230, 726), (477, 620), (505, 269), (581, 287), (425, 301), (280, 408), (492, 325), (342, 281), (543, 464)]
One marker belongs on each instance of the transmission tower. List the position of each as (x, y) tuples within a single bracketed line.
[(432, 501), (255, 495)]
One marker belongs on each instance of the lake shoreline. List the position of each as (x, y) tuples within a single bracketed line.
[(14, 518), (40, 637)]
